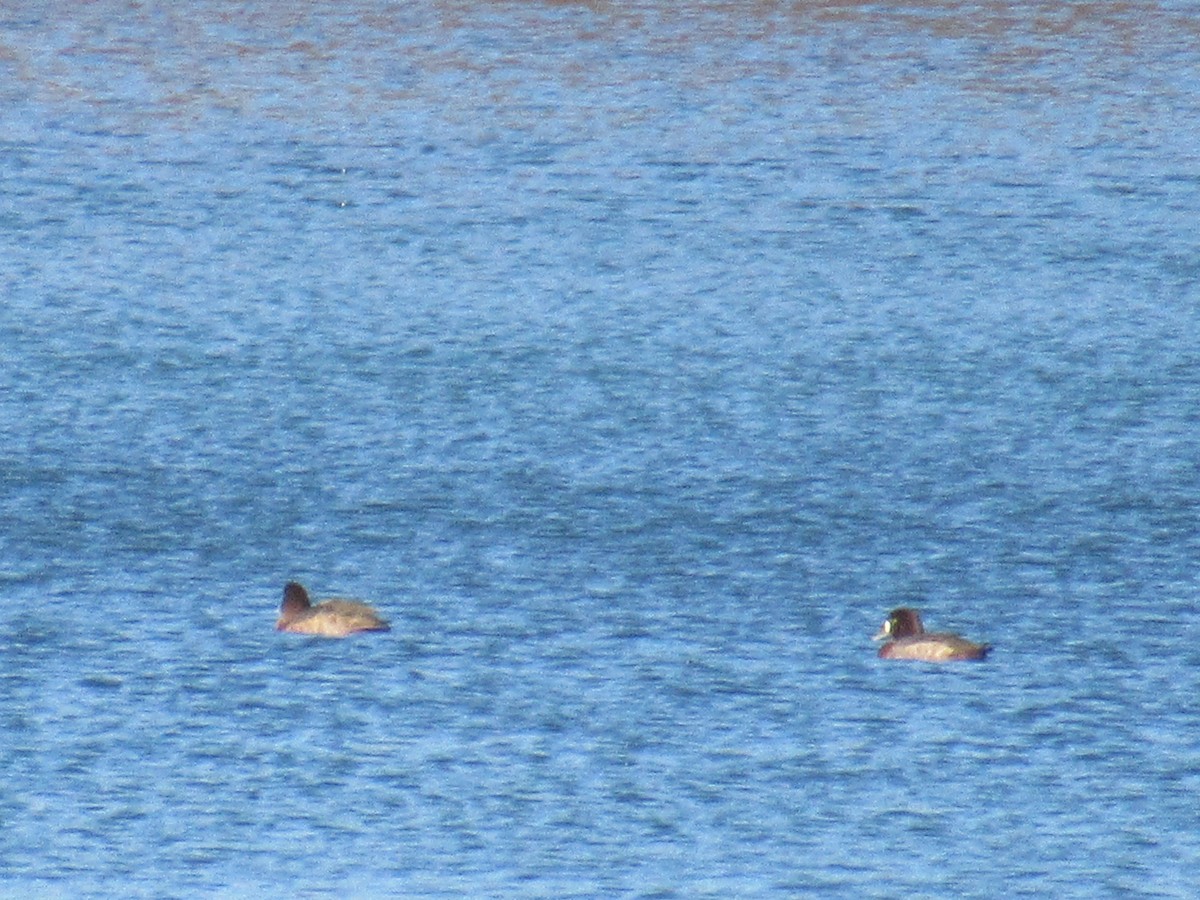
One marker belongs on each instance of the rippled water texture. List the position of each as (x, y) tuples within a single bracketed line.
[(634, 359)]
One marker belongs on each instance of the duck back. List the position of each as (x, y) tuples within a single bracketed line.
[(934, 648)]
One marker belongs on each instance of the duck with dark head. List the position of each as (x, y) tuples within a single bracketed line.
[(331, 618), (906, 638)]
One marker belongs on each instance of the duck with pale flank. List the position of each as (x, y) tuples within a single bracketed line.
[(906, 638), (330, 618)]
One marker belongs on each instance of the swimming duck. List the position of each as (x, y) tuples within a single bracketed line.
[(331, 618), (907, 639)]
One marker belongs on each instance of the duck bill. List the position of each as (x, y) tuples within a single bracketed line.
[(884, 632)]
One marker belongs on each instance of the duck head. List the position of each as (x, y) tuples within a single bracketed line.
[(900, 623), (295, 602)]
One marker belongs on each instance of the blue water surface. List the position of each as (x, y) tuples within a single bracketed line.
[(634, 360)]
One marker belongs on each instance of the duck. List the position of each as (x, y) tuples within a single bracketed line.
[(330, 618), (907, 639)]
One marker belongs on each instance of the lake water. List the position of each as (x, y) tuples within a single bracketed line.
[(634, 359)]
